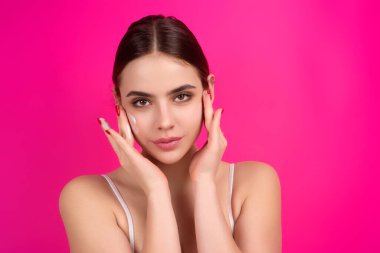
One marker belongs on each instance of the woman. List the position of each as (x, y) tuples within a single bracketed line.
[(171, 197)]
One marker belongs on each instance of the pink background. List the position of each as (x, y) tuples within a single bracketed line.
[(298, 81)]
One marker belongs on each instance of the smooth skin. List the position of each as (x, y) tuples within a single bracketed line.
[(178, 201)]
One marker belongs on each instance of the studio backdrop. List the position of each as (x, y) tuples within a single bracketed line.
[(298, 81)]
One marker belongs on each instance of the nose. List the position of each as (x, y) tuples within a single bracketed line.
[(164, 118)]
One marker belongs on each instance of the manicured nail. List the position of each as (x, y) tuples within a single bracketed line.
[(222, 110), (117, 110), (99, 121), (209, 92), (108, 132), (103, 123)]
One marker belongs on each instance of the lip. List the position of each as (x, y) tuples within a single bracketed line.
[(166, 140), (168, 143)]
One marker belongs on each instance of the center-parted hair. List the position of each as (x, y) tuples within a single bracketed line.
[(157, 33)]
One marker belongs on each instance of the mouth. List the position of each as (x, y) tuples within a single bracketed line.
[(168, 143)]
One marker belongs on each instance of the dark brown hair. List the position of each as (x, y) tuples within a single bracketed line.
[(163, 34)]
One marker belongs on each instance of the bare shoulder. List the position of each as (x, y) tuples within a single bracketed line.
[(88, 218), (90, 187), (251, 175), (81, 181), (258, 228)]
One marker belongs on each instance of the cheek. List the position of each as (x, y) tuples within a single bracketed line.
[(139, 123), (193, 115), (133, 122), (138, 120)]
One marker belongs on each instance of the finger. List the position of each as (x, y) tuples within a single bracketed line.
[(121, 132), (120, 145), (115, 146), (208, 110), (121, 142), (215, 125), (124, 126)]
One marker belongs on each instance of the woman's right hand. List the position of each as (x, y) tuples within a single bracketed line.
[(144, 172)]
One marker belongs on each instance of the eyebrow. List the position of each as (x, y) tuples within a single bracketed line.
[(180, 88)]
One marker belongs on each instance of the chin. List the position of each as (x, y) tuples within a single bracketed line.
[(169, 157)]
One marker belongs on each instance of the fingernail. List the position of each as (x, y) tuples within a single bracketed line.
[(99, 121), (117, 110), (222, 110), (108, 132), (209, 92), (103, 123)]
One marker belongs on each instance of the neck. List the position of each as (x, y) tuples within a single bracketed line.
[(177, 173)]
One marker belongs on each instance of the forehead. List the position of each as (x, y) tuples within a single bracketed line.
[(157, 73)]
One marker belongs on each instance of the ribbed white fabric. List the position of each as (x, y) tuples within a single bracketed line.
[(231, 184), (129, 216), (126, 210)]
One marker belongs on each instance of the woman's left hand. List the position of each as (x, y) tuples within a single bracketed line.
[(205, 162)]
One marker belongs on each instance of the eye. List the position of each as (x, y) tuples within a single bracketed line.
[(184, 97), (136, 102), (142, 102)]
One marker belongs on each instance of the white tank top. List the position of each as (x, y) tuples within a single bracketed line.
[(129, 216)]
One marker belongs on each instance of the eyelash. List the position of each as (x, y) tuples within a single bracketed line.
[(134, 103)]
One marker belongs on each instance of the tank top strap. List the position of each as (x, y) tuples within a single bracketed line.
[(231, 183), (126, 210)]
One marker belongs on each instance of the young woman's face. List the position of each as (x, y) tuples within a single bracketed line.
[(171, 107)]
